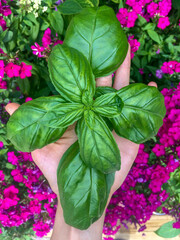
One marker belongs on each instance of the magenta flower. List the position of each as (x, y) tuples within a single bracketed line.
[(25, 70), (37, 50), (11, 157), (28, 99), (176, 225), (3, 85), (166, 68), (2, 23), (177, 67), (152, 9), (1, 144), (163, 22), (12, 70), (46, 40), (58, 42), (1, 176), (1, 69)]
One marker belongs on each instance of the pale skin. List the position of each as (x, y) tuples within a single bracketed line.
[(47, 159)]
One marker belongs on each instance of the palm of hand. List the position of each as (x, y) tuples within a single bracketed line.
[(47, 158)]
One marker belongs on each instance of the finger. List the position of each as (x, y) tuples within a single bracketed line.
[(104, 81), (122, 75), (152, 84), (11, 107)]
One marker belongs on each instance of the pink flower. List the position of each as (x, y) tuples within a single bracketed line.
[(11, 192), (3, 85), (25, 70), (41, 228), (0, 231), (1, 69), (46, 40), (164, 7), (17, 176), (178, 151), (134, 45), (37, 50), (132, 16), (11, 157), (2, 23), (8, 202), (28, 99), (12, 70), (166, 68), (58, 42), (141, 71), (122, 16), (163, 22), (152, 9), (177, 67), (1, 175), (159, 150), (176, 225), (1, 144)]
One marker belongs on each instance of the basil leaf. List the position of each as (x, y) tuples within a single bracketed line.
[(70, 73), (142, 114), (31, 125), (108, 105), (97, 33), (103, 90), (56, 21), (75, 6), (83, 191), (98, 147)]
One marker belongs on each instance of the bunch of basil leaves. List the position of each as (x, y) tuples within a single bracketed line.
[(94, 46)]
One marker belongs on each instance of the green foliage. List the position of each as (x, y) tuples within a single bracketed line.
[(84, 191), (97, 34), (167, 230), (98, 147), (76, 6), (66, 77), (27, 133), (56, 21), (141, 117)]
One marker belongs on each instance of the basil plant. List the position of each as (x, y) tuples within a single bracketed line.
[(95, 46)]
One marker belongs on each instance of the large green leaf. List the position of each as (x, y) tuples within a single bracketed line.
[(40, 122), (70, 73), (167, 230), (83, 191), (108, 105), (142, 114), (56, 21), (76, 6), (98, 147), (97, 33)]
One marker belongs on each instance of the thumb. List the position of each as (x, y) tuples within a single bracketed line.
[(12, 107)]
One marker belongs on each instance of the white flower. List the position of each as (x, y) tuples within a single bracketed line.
[(44, 9)]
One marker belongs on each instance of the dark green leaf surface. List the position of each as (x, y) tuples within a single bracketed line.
[(98, 147), (167, 230), (108, 105), (97, 33), (40, 122), (76, 6), (142, 114), (70, 73), (56, 21), (83, 191)]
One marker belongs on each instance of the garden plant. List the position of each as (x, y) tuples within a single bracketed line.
[(51, 54)]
